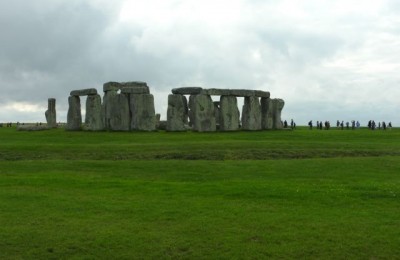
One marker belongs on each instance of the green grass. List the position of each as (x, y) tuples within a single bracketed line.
[(286, 194)]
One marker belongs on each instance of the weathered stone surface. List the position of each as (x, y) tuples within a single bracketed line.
[(143, 112), (135, 90), (177, 113), (229, 114), (216, 92), (202, 111), (266, 113), (251, 114), (242, 93), (32, 127), (94, 115), (158, 119), (50, 113), (187, 90), (262, 94), (117, 110), (217, 112), (277, 106), (84, 92), (115, 86), (74, 116)]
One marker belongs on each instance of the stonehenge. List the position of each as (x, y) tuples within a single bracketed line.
[(129, 106), (50, 113)]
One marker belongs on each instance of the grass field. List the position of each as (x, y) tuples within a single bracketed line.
[(244, 195)]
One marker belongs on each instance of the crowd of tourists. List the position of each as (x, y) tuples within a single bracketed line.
[(341, 125)]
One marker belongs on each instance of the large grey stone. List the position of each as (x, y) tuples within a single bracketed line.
[(177, 113), (266, 113), (229, 114), (262, 94), (106, 108), (277, 105), (143, 112), (251, 114), (217, 112), (216, 92), (93, 118), (115, 86), (242, 93), (50, 113), (84, 92), (202, 111), (187, 90), (74, 116), (117, 108), (135, 90)]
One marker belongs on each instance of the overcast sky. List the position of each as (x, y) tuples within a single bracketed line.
[(328, 60)]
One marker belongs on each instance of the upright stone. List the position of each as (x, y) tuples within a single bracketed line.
[(266, 113), (202, 112), (177, 113), (118, 108), (51, 113), (143, 112), (229, 114), (251, 114), (93, 118), (277, 105), (74, 116), (217, 112), (106, 108)]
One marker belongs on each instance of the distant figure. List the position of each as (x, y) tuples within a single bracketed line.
[(379, 125), (317, 124), (370, 124), (337, 124), (342, 125), (373, 125), (292, 124), (347, 125), (384, 125), (353, 125), (320, 125), (390, 125), (285, 125), (358, 124), (310, 124)]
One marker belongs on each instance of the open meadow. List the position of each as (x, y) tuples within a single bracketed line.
[(273, 194)]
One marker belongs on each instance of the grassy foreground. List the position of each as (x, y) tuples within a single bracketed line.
[(288, 194)]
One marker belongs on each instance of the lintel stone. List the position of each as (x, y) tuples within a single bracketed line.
[(84, 92)]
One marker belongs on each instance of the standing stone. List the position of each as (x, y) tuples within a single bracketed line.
[(51, 113), (277, 106), (158, 119), (229, 114), (93, 118), (266, 113), (106, 108), (117, 108), (143, 112), (74, 116), (177, 113), (251, 114), (217, 112), (202, 112)]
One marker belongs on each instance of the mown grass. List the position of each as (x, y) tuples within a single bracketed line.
[(305, 194)]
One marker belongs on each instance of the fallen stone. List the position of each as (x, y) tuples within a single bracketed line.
[(84, 92), (187, 90), (229, 114), (251, 114), (266, 114), (94, 115), (143, 112), (32, 128), (74, 116), (51, 113), (203, 113), (177, 113)]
